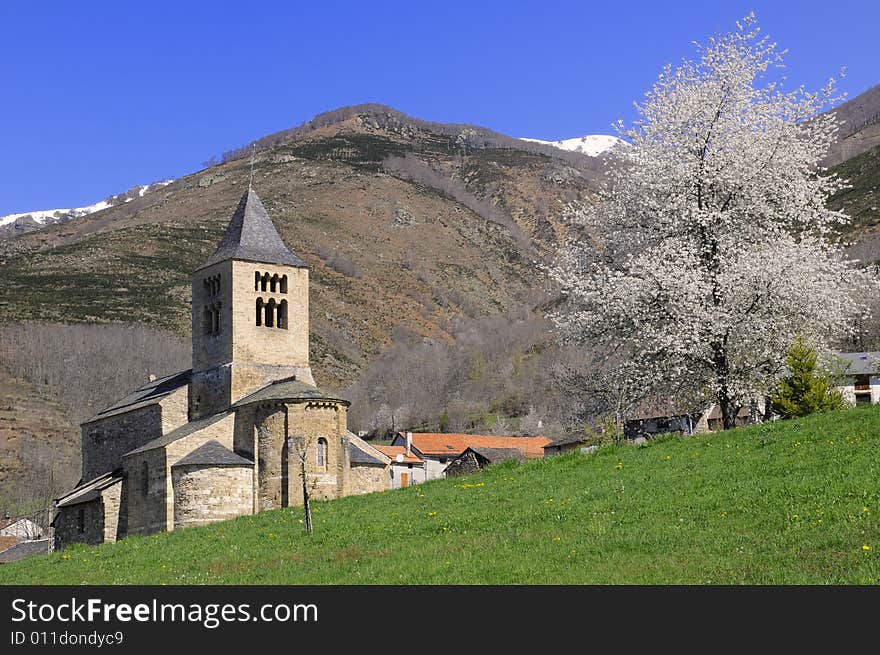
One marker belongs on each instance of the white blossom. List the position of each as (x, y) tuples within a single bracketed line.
[(710, 247)]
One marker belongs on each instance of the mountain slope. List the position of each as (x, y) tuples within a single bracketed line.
[(402, 223), (14, 224), (860, 131), (591, 144)]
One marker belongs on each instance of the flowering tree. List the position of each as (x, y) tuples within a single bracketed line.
[(711, 247)]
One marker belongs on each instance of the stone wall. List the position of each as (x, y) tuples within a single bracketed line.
[(279, 480), (205, 494), (270, 345), (175, 409), (366, 478), (211, 349), (273, 462), (115, 522), (146, 487), (210, 391), (150, 507), (88, 515), (106, 440), (463, 465), (243, 357)]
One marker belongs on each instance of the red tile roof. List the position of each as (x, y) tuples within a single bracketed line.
[(394, 451), (438, 443)]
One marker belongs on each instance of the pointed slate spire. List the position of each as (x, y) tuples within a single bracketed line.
[(251, 236)]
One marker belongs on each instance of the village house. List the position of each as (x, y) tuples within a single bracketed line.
[(439, 449), (476, 458), (406, 468), (20, 538), (223, 438), (861, 377), (23, 528)]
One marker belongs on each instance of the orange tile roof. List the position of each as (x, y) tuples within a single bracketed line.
[(394, 451), (438, 443)]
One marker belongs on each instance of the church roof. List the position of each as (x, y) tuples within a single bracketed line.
[(212, 453), (360, 452), (251, 236), (288, 389), (149, 394), (179, 433), (86, 491)]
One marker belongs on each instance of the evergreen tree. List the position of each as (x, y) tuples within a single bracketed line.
[(807, 389)]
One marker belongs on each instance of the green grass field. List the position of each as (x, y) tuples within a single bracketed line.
[(791, 502)]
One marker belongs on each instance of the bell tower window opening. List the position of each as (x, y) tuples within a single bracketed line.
[(211, 319), (282, 315), (207, 320), (212, 286), (270, 313), (259, 316), (283, 281), (264, 281), (256, 280), (273, 283)]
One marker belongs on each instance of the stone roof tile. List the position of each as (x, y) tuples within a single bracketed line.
[(251, 236)]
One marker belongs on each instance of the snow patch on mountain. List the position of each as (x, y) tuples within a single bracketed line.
[(591, 144), (52, 216)]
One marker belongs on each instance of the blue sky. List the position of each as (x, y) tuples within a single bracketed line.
[(98, 96)]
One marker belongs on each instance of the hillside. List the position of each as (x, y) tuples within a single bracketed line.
[(790, 502), (39, 447), (862, 201), (860, 131), (453, 230)]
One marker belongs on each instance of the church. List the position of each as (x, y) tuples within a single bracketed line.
[(231, 435)]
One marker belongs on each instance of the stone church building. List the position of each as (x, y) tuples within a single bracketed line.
[(224, 438)]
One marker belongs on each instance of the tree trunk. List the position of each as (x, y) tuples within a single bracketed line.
[(307, 520)]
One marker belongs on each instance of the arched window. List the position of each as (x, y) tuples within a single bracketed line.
[(145, 479), (322, 453), (273, 283), (283, 284), (282, 315), (264, 281), (259, 312), (270, 313), (256, 280)]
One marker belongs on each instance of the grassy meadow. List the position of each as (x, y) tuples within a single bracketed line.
[(789, 502)]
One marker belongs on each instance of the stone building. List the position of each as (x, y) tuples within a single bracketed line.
[(476, 458), (224, 438)]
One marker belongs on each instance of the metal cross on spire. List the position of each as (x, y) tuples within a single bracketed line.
[(253, 153)]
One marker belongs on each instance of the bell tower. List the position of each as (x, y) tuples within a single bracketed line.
[(250, 313)]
